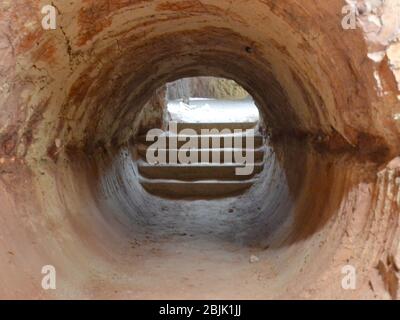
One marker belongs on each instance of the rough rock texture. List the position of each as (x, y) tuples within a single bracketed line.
[(205, 87), (68, 187), (152, 114)]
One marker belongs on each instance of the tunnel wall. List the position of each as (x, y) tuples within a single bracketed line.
[(69, 99), (80, 59)]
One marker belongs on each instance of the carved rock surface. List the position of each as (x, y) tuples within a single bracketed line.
[(69, 196)]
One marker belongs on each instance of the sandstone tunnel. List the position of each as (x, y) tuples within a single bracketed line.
[(69, 194)]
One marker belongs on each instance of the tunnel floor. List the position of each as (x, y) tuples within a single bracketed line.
[(199, 249)]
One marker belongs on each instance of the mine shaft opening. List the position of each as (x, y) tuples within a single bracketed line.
[(203, 168), (211, 141)]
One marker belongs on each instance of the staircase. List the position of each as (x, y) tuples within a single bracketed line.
[(201, 180)]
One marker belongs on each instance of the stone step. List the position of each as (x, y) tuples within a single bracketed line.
[(195, 190), (201, 180), (219, 126), (182, 139), (196, 172), (258, 153)]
